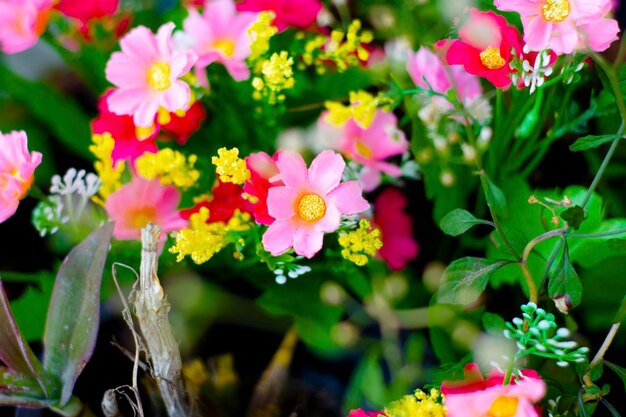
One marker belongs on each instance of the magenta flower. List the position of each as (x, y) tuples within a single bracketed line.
[(477, 397), (147, 73), (310, 203), (485, 47), (220, 34), (370, 147), (17, 167), (140, 201), (564, 26), (21, 23), (295, 13)]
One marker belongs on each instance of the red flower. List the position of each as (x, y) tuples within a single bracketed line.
[(399, 246), (87, 9), (222, 205), (262, 168), (362, 413), (485, 47), (182, 124), (296, 13)]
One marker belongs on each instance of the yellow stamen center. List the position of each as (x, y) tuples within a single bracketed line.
[(503, 407), (159, 76), (311, 207), (491, 58), (363, 150), (226, 47), (141, 217), (555, 10)]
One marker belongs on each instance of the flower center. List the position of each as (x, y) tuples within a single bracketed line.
[(159, 76), (555, 10), (311, 207), (503, 407), (141, 217), (491, 58), (363, 150), (226, 47)]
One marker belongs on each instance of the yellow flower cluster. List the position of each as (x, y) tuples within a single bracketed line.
[(362, 108), (360, 244), (109, 175), (276, 76), (230, 167), (420, 404), (202, 240), (171, 167), (343, 49), (260, 33)]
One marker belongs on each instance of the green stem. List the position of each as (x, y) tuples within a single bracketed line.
[(604, 164), (599, 234)]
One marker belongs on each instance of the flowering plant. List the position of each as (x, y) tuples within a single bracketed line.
[(312, 207)]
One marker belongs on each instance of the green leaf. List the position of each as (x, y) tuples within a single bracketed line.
[(64, 117), (493, 323), (618, 246), (590, 142), (621, 372), (466, 278), (565, 285), (14, 351), (458, 221), (73, 314), (367, 381), (621, 313), (496, 198), (574, 216)]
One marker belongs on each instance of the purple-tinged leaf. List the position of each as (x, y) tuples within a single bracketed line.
[(24, 401), (74, 312), (14, 351)]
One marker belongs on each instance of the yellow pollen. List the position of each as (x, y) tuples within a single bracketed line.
[(159, 76), (363, 150), (555, 10), (491, 58), (503, 407), (311, 207), (226, 47), (141, 217)]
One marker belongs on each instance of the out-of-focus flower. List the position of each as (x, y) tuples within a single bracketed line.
[(396, 226), (140, 201), (420, 404), (170, 167), (17, 167), (130, 142), (262, 169), (295, 13), (226, 199), (477, 397), (84, 10), (564, 26), (310, 203), (371, 146), (485, 47), (276, 76), (147, 73), (220, 34), (22, 22)]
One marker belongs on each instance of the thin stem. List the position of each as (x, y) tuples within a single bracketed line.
[(604, 164), (529, 247), (599, 234), (605, 345)]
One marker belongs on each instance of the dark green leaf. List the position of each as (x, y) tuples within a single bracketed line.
[(621, 313), (73, 315), (574, 216), (618, 246), (565, 286), (14, 351), (496, 198), (618, 370), (590, 142), (466, 278), (610, 407), (458, 221), (493, 323), (596, 371)]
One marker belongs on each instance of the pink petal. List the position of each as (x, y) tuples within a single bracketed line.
[(125, 71), (176, 97), (602, 35), (281, 202), (307, 242), (348, 199), (181, 62), (146, 112), (325, 171), (141, 44), (126, 101), (537, 33), (164, 41), (238, 69), (278, 238), (8, 207), (293, 171), (331, 220)]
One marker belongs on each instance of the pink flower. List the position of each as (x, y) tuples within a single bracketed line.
[(310, 203), (396, 227), (476, 397), (17, 167), (130, 142), (140, 201), (221, 35), (263, 171), (147, 73), (84, 10), (428, 71), (372, 146), (485, 47), (295, 13), (564, 26), (21, 23), (362, 413)]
